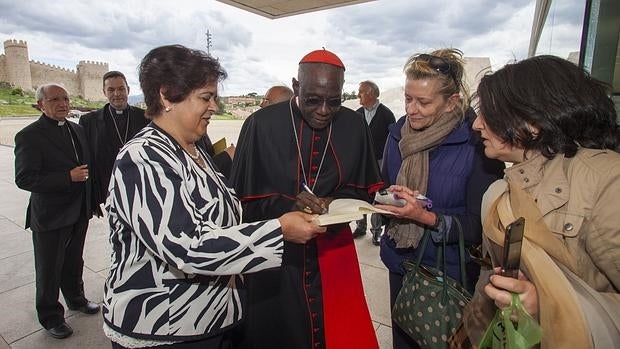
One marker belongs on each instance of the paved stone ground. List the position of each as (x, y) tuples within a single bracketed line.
[(19, 327)]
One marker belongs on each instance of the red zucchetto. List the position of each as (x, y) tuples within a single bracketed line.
[(322, 56)]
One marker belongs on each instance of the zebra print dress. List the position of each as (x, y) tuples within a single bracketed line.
[(178, 246)]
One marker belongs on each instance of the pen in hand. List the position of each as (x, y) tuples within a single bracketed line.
[(306, 188)]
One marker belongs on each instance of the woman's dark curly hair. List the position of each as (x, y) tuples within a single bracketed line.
[(569, 108), (177, 71)]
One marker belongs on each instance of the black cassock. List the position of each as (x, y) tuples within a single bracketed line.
[(316, 299), (107, 134)]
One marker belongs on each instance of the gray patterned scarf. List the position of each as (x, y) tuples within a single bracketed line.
[(415, 147)]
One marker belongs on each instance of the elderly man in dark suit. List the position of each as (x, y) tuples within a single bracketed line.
[(107, 130), (378, 117), (51, 162)]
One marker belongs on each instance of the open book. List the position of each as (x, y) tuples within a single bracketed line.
[(347, 210)]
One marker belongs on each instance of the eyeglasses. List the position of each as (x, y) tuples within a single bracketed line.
[(317, 101), (439, 64), (57, 99)]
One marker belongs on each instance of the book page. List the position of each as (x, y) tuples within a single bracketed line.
[(347, 210)]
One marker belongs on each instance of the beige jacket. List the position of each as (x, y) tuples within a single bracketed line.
[(581, 205), (577, 198)]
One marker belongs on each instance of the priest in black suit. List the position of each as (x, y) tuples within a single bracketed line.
[(52, 163), (378, 117), (107, 130)]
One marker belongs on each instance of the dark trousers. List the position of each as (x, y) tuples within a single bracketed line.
[(376, 221), (58, 266), (400, 339), (221, 341)]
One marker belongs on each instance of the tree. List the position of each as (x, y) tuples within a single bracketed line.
[(221, 106), (347, 96)]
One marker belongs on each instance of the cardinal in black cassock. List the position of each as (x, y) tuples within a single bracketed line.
[(316, 299)]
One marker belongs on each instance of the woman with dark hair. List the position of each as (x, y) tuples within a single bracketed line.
[(558, 126), (434, 151), (178, 246)]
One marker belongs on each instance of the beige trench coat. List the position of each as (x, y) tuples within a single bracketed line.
[(578, 200)]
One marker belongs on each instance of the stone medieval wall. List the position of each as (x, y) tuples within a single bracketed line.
[(89, 76), (19, 71), (2, 70), (43, 73), (17, 66)]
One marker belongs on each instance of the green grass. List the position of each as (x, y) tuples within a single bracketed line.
[(17, 110), (226, 116), (15, 102)]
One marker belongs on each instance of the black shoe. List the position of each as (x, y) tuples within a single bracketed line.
[(376, 238), (358, 233), (63, 330), (88, 308)]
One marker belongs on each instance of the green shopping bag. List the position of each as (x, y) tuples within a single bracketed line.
[(504, 333)]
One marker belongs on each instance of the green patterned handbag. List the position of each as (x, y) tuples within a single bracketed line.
[(429, 306)]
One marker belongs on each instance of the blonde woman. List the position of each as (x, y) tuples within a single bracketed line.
[(433, 150)]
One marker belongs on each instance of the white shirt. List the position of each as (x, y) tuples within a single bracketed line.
[(370, 113)]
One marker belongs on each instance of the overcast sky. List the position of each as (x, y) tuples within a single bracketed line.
[(373, 39)]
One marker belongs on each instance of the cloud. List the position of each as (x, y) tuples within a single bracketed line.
[(424, 26), (562, 32), (384, 34), (374, 39)]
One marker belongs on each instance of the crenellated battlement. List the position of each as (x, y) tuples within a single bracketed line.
[(15, 43), (18, 70), (55, 67), (92, 63)]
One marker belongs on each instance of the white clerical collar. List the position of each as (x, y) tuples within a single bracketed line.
[(115, 111), (61, 123)]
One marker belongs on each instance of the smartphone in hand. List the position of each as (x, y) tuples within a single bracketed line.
[(512, 248), (386, 198)]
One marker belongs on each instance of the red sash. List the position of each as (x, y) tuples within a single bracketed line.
[(346, 317)]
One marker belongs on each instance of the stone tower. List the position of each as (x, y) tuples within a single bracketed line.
[(17, 64), (89, 76)]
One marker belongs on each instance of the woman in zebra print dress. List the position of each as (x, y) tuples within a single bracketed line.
[(179, 249)]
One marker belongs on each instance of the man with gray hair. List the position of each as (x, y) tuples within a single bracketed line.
[(52, 163), (276, 94), (379, 118)]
